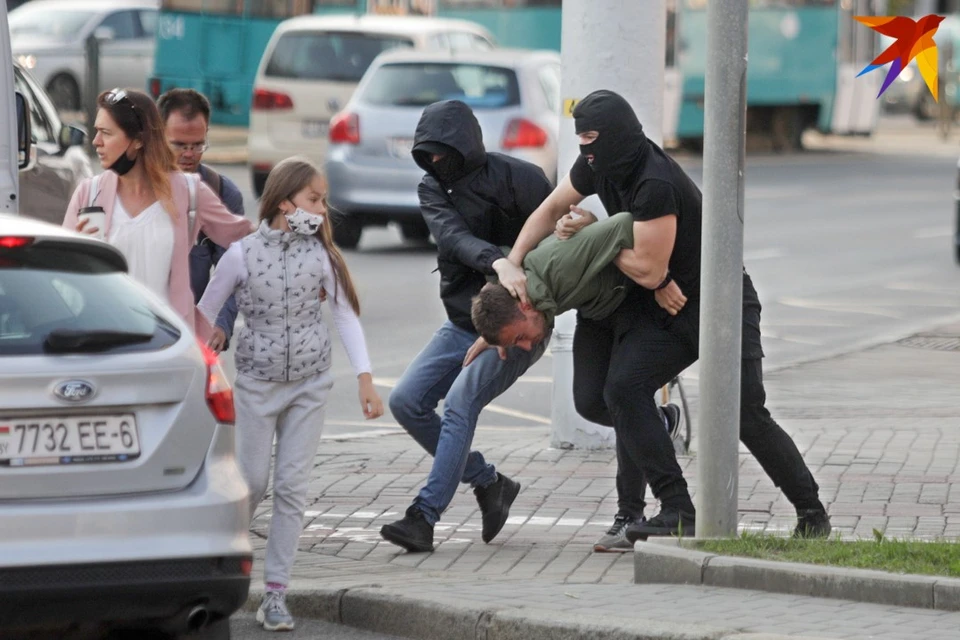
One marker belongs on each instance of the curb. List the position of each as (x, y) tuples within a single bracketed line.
[(660, 563), (381, 611)]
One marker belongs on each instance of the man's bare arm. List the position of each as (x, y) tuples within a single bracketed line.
[(647, 262)]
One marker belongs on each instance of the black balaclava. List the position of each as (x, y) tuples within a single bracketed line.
[(122, 165), (621, 146), (448, 168)]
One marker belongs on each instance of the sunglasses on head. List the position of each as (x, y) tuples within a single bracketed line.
[(119, 96)]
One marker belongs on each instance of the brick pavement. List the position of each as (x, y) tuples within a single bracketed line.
[(879, 429)]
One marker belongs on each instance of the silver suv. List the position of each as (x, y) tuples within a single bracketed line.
[(121, 502)]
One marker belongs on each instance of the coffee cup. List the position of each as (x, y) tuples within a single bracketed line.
[(96, 218)]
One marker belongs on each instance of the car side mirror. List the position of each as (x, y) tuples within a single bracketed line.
[(71, 136), (104, 34), (24, 132)]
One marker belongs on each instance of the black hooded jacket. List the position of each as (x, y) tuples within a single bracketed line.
[(474, 210), (630, 173)]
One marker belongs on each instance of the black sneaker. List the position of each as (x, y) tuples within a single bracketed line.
[(669, 522), (413, 532), (812, 523), (495, 501)]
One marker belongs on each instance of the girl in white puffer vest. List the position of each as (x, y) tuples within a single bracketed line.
[(280, 274)]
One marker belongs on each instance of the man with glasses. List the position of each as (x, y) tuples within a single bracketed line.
[(186, 118)]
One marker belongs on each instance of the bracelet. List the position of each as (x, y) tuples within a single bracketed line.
[(667, 280)]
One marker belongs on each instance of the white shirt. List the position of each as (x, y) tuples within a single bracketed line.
[(231, 274), (146, 241)]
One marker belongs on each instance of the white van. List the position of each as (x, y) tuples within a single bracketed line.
[(14, 126), (311, 66)]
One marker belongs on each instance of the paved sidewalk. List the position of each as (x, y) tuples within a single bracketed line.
[(880, 428)]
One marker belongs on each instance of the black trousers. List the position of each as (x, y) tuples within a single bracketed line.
[(621, 362)]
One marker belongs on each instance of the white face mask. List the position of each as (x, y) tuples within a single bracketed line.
[(303, 222)]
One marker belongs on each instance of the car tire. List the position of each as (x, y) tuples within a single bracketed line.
[(346, 232), (258, 180), (415, 231), (64, 92)]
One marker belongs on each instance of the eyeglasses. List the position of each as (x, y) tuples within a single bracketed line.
[(117, 96), (195, 147)]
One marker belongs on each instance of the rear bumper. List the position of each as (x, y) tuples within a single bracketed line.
[(378, 194), (162, 592)]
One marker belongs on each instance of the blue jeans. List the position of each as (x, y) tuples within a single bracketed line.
[(437, 372)]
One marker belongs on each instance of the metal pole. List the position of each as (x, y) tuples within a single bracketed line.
[(91, 88), (605, 44), (722, 267)]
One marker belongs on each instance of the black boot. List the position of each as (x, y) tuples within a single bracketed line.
[(495, 501), (812, 523), (669, 522), (413, 532)]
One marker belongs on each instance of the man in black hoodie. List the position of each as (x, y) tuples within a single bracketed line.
[(473, 202), (620, 362)]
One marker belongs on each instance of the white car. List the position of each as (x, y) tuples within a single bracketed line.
[(48, 38), (311, 67), (121, 501)]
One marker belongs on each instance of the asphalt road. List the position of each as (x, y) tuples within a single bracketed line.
[(845, 249)]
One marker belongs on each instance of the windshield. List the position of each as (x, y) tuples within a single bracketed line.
[(58, 25), (328, 56), (419, 84), (54, 299)]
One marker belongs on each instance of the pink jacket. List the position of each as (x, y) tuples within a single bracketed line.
[(213, 218)]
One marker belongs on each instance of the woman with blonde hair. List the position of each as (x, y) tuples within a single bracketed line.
[(283, 355), (146, 202)]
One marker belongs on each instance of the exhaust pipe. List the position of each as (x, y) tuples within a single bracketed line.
[(197, 618)]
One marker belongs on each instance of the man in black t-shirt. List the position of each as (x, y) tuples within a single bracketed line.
[(620, 362)]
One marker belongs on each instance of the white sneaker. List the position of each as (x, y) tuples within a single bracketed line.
[(273, 614), (675, 427)]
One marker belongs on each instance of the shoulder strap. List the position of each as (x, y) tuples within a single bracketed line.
[(214, 181), (94, 187), (192, 210)]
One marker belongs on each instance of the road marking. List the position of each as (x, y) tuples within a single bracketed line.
[(927, 233), (837, 307), (763, 254)]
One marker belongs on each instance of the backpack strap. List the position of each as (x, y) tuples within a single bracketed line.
[(192, 186), (94, 189), (213, 181)]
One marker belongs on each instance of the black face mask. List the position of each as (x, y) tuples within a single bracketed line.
[(449, 167), (122, 165), (621, 144)]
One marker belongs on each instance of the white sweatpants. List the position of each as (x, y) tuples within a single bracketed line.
[(294, 412)]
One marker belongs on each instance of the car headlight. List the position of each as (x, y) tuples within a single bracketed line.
[(27, 61)]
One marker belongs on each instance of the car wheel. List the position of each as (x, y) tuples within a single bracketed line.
[(64, 92), (346, 232), (416, 231), (258, 180)]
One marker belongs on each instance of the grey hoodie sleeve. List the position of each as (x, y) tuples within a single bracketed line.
[(453, 236)]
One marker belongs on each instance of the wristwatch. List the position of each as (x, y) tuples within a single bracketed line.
[(667, 280)]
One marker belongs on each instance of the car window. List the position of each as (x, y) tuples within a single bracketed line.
[(438, 41), (465, 41), (148, 23), (550, 83), (328, 55), (36, 20), (123, 23), (43, 101), (55, 289), (419, 84), (40, 124)]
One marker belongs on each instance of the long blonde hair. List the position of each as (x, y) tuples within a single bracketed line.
[(138, 117), (285, 181)]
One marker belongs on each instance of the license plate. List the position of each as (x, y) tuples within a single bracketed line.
[(314, 128), (61, 440), (400, 147)]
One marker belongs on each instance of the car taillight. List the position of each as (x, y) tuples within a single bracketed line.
[(345, 128), (219, 393), (266, 100), (155, 87), (14, 242), (521, 133)]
